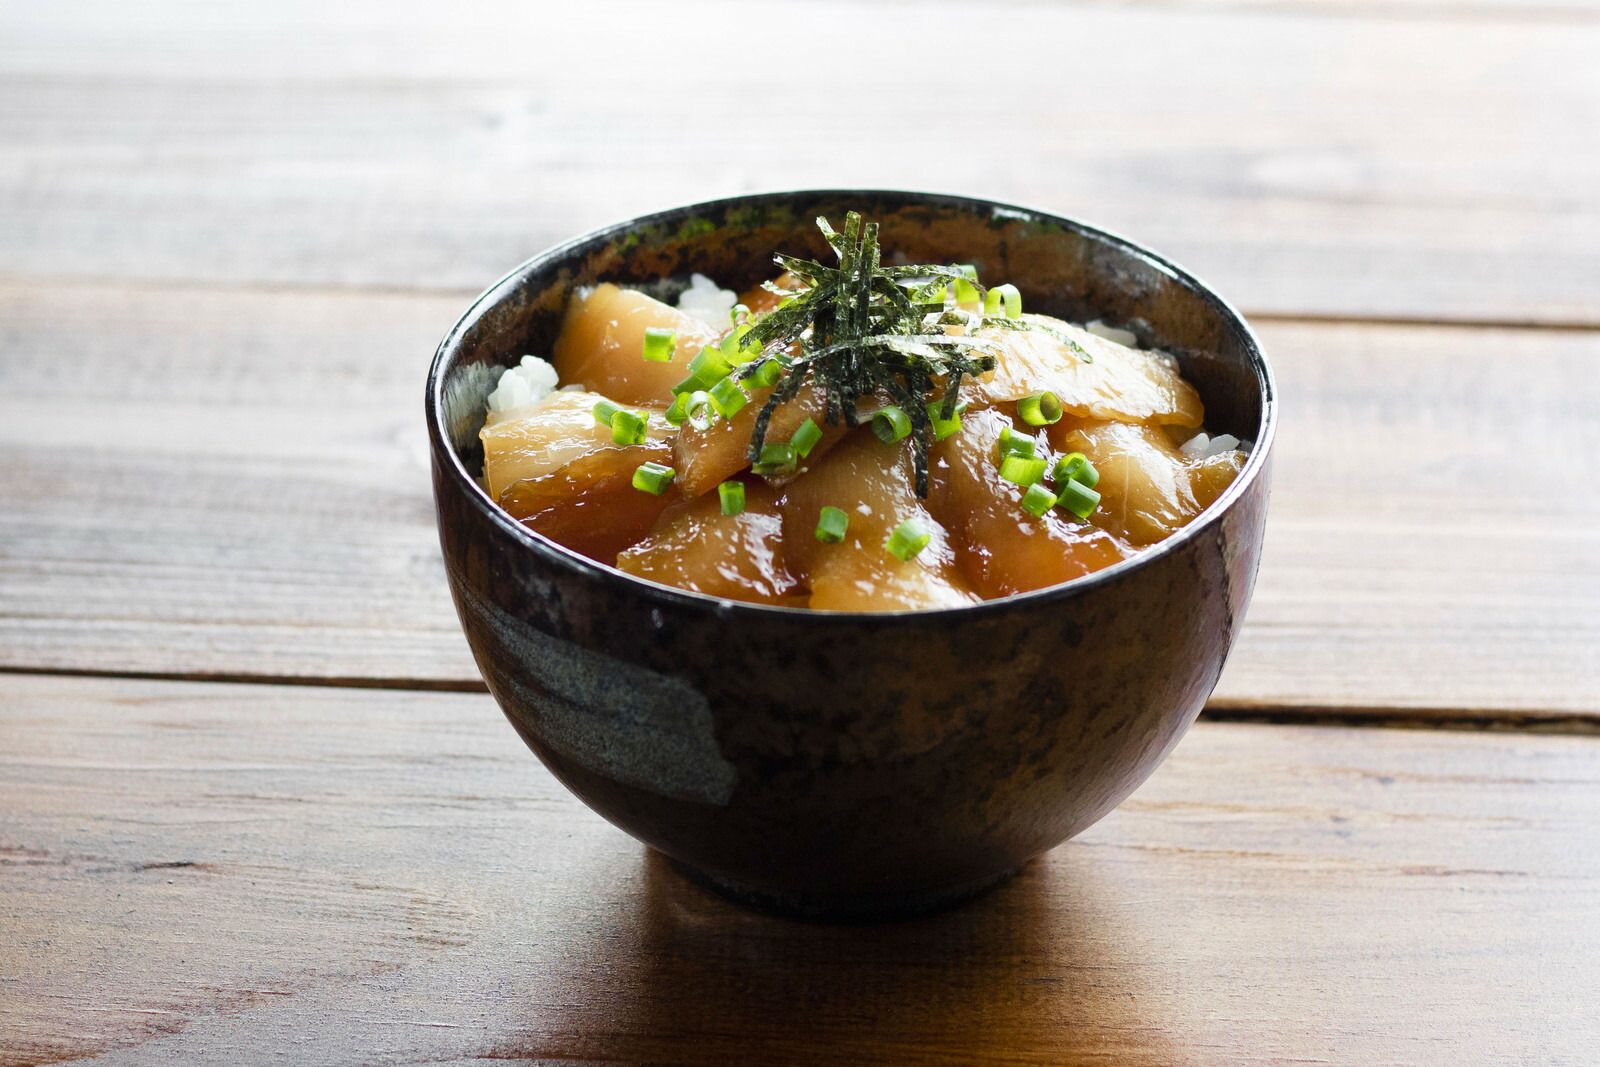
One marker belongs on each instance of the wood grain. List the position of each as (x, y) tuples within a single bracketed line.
[(233, 484), (210, 873), (1307, 160)]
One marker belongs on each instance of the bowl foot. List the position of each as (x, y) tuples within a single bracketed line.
[(842, 907)]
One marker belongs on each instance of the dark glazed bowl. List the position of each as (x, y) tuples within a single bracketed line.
[(851, 766)]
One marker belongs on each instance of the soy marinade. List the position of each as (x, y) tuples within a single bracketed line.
[(858, 437)]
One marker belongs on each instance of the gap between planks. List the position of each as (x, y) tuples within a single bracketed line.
[(222, 544), (1268, 896), (358, 290)]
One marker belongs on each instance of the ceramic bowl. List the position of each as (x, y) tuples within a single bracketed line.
[(851, 766)]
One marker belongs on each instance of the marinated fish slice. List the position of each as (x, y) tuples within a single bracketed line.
[(541, 438), (706, 458), (1145, 491), (601, 346), (1209, 477), (694, 546), (590, 504), (1121, 384), (872, 483), (1001, 548)]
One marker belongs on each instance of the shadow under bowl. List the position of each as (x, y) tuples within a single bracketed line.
[(851, 766)]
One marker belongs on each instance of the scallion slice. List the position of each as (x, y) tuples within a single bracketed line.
[(777, 458), (653, 478), (768, 373), (709, 368), (831, 526), (678, 413), (1038, 500), (1077, 498), (1040, 409), (733, 348), (1005, 296), (1075, 467), (966, 292), (907, 541), (659, 344), (943, 427), (728, 398), (891, 425), (629, 428), (605, 411), (805, 438), (731, 495), (701, 413), (1014, 444), (1023, 470)]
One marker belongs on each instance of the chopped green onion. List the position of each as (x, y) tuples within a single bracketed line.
[(708, 368), (728, 398), (768, 373), (628, 428), (1075, 467), (891, 425), (1006, 295), (966, 292), (688, 385), (806, 437), (777, 458), (1023, 470), (1038, 500), (605, 411), (678, 413), (653, 478), (1077, 498), (907, 541), (1014, 444), (1040, 409), (701, 413), (659, 344), (943, 427), (733, 347), (831, 526), (737, 310), (732, 496)]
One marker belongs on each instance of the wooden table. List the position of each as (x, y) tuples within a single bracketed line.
[(254, 806)]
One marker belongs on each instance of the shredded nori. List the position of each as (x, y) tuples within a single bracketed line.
[(862, 328)]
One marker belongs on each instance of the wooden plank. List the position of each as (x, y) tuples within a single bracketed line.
[(1433, 537), (221, 483), (1307, 161), (231, 484), (203, 873)]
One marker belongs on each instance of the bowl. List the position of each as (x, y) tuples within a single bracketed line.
[(850, 766)]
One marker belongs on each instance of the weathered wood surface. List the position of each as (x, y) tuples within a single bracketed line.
[(215, 483), (1426, 161), (232, 235), (205, 873)]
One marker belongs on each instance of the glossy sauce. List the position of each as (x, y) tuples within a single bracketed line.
[(553, 467), (1003, 549), (694, 546)]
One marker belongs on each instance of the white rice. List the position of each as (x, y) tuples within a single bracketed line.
[(1125, 338), (706, 302), (527, 383), (1203, 446)]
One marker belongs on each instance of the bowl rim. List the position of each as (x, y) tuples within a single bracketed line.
[(446, 457)]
